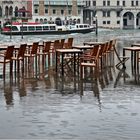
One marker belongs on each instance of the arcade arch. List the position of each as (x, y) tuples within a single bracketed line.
[(128, 20)]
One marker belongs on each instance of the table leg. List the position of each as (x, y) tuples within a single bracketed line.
[(74, 64), (62, 67), (124, 67), (135, 61), (56, 62)]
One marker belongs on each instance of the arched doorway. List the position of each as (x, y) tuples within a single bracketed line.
[(58, 21), (0, 11), (16, 11), (138, 20), (11, 11), (36, 20), (128, 20), (6, 11)]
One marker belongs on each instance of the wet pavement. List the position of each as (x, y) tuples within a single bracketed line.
[(51, 107)]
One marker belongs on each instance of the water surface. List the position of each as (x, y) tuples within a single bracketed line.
[(47, 108)]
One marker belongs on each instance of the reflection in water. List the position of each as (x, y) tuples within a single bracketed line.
[(8, 93), (21, 88), (90, 83), (121, 74), (52, 116)]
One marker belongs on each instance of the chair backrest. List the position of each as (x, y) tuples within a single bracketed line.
[(69, 43), (110, 45), (103, 49), (34, 48), (62, 42), (9, 52), (22, 50), (57, 44), (95, 52), (47, 46)]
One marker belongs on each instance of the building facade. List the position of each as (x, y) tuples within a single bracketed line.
[(57, 11), (113, 13), (12, 10)]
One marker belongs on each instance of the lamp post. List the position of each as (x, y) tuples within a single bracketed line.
[(96, 22), (21, 18), (11, 29)]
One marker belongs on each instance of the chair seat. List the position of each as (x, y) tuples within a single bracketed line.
[(88, 64), (6, 61), (17, 58), (42, 53), (29, 55)]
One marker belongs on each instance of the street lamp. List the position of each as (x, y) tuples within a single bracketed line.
[(11, 28), (96, 22), (21, 18)]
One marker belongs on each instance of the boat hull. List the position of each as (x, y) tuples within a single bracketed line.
[(48, 32)]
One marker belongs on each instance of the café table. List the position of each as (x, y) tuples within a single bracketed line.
[(63, 52), (91, 43), (83, 47), (134, 50)]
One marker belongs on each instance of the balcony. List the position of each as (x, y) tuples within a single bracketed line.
[(7, 2), (104, 8)]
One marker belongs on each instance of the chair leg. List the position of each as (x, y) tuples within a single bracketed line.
[(11, 69), (4, 69), (81, 71)]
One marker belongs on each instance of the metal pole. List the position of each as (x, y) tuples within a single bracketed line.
[(96, 26), (11, 30), (22, 29)]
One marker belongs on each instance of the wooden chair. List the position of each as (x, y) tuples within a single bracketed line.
[(91, 61), (62, 41), (121, 59), (7, 58), (69, 43), (32, 53), (19, 56), (45, 52)]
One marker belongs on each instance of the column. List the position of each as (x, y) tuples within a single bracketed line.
[(135, 22)]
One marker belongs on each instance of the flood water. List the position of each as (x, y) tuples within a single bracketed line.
[(54, 108)]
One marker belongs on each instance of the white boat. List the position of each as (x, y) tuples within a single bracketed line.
[(37, 28)]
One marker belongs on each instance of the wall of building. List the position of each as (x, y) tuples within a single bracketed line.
[(102, 8)]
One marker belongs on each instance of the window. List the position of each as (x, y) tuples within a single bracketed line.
[(123, 3), (108, 3), (79, 12), (62, 12), (87, 3), (54, 11), (94, 3), (46, 11), (118, 14), (104, 22), (118, 3), (132, 3), (14, 28), (69, 12), (36, 11), (38, 28), (104, 14), (104, 3), (31, 28), (137, 3), (52, 28), (45, 28), (81, 26), (108, 22), (118, 22), (108, 13), (24, 28)]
